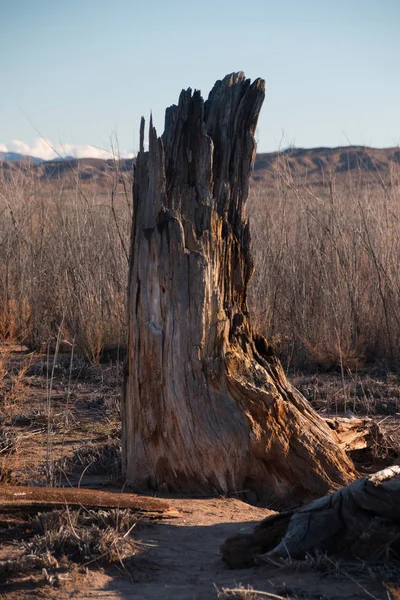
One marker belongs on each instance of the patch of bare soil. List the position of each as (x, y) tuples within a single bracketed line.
[(181, 561), (59, 421)]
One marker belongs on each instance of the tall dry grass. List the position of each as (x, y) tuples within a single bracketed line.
[(327, 283), (326, 289), (63, 261)]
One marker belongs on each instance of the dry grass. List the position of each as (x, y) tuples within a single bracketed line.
[(63, 263), (326, 287), (85, 423), (242, 593), (59, 419), (92, 458), (13, 395), (382, 569), (57, 539), (84, 535), (13, 382)]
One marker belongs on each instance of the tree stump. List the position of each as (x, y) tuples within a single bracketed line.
[(207, 407), (360, 521)]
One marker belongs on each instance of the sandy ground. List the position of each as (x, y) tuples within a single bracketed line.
[(180, 561)]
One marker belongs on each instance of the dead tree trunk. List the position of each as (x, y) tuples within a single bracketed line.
[(207, 407)]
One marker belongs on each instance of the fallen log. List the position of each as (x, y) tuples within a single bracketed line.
[(361, 520), (35, 499)]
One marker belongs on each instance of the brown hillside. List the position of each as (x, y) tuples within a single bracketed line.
[(320, 165), (307, 166), (86, 169)]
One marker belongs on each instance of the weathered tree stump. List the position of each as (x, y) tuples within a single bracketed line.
[(360, 521), (207, 407)]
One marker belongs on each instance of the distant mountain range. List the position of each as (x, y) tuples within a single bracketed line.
[(308, 166), (316, 164), (16, 157)]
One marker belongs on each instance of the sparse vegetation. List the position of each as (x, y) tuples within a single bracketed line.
[(84, 535), (78, 436), (55, 539), (326, 285), (325, 292), (93, 459), (63, 260), (242, 593)]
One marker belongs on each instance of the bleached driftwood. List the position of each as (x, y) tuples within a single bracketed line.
[(361, 520)]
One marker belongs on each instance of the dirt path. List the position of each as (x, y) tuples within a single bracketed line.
[(181, 562)]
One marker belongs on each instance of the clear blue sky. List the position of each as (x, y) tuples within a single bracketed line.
[(79, 71)]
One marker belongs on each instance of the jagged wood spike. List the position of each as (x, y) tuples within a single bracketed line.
[(207, 407)]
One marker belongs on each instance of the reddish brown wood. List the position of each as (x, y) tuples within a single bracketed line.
[(41, 498)]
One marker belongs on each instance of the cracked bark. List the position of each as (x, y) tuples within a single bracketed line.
[(207, 407), (360, 521)]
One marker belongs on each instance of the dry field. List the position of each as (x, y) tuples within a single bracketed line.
[(326, 287), (326, 293), (60, 426)]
